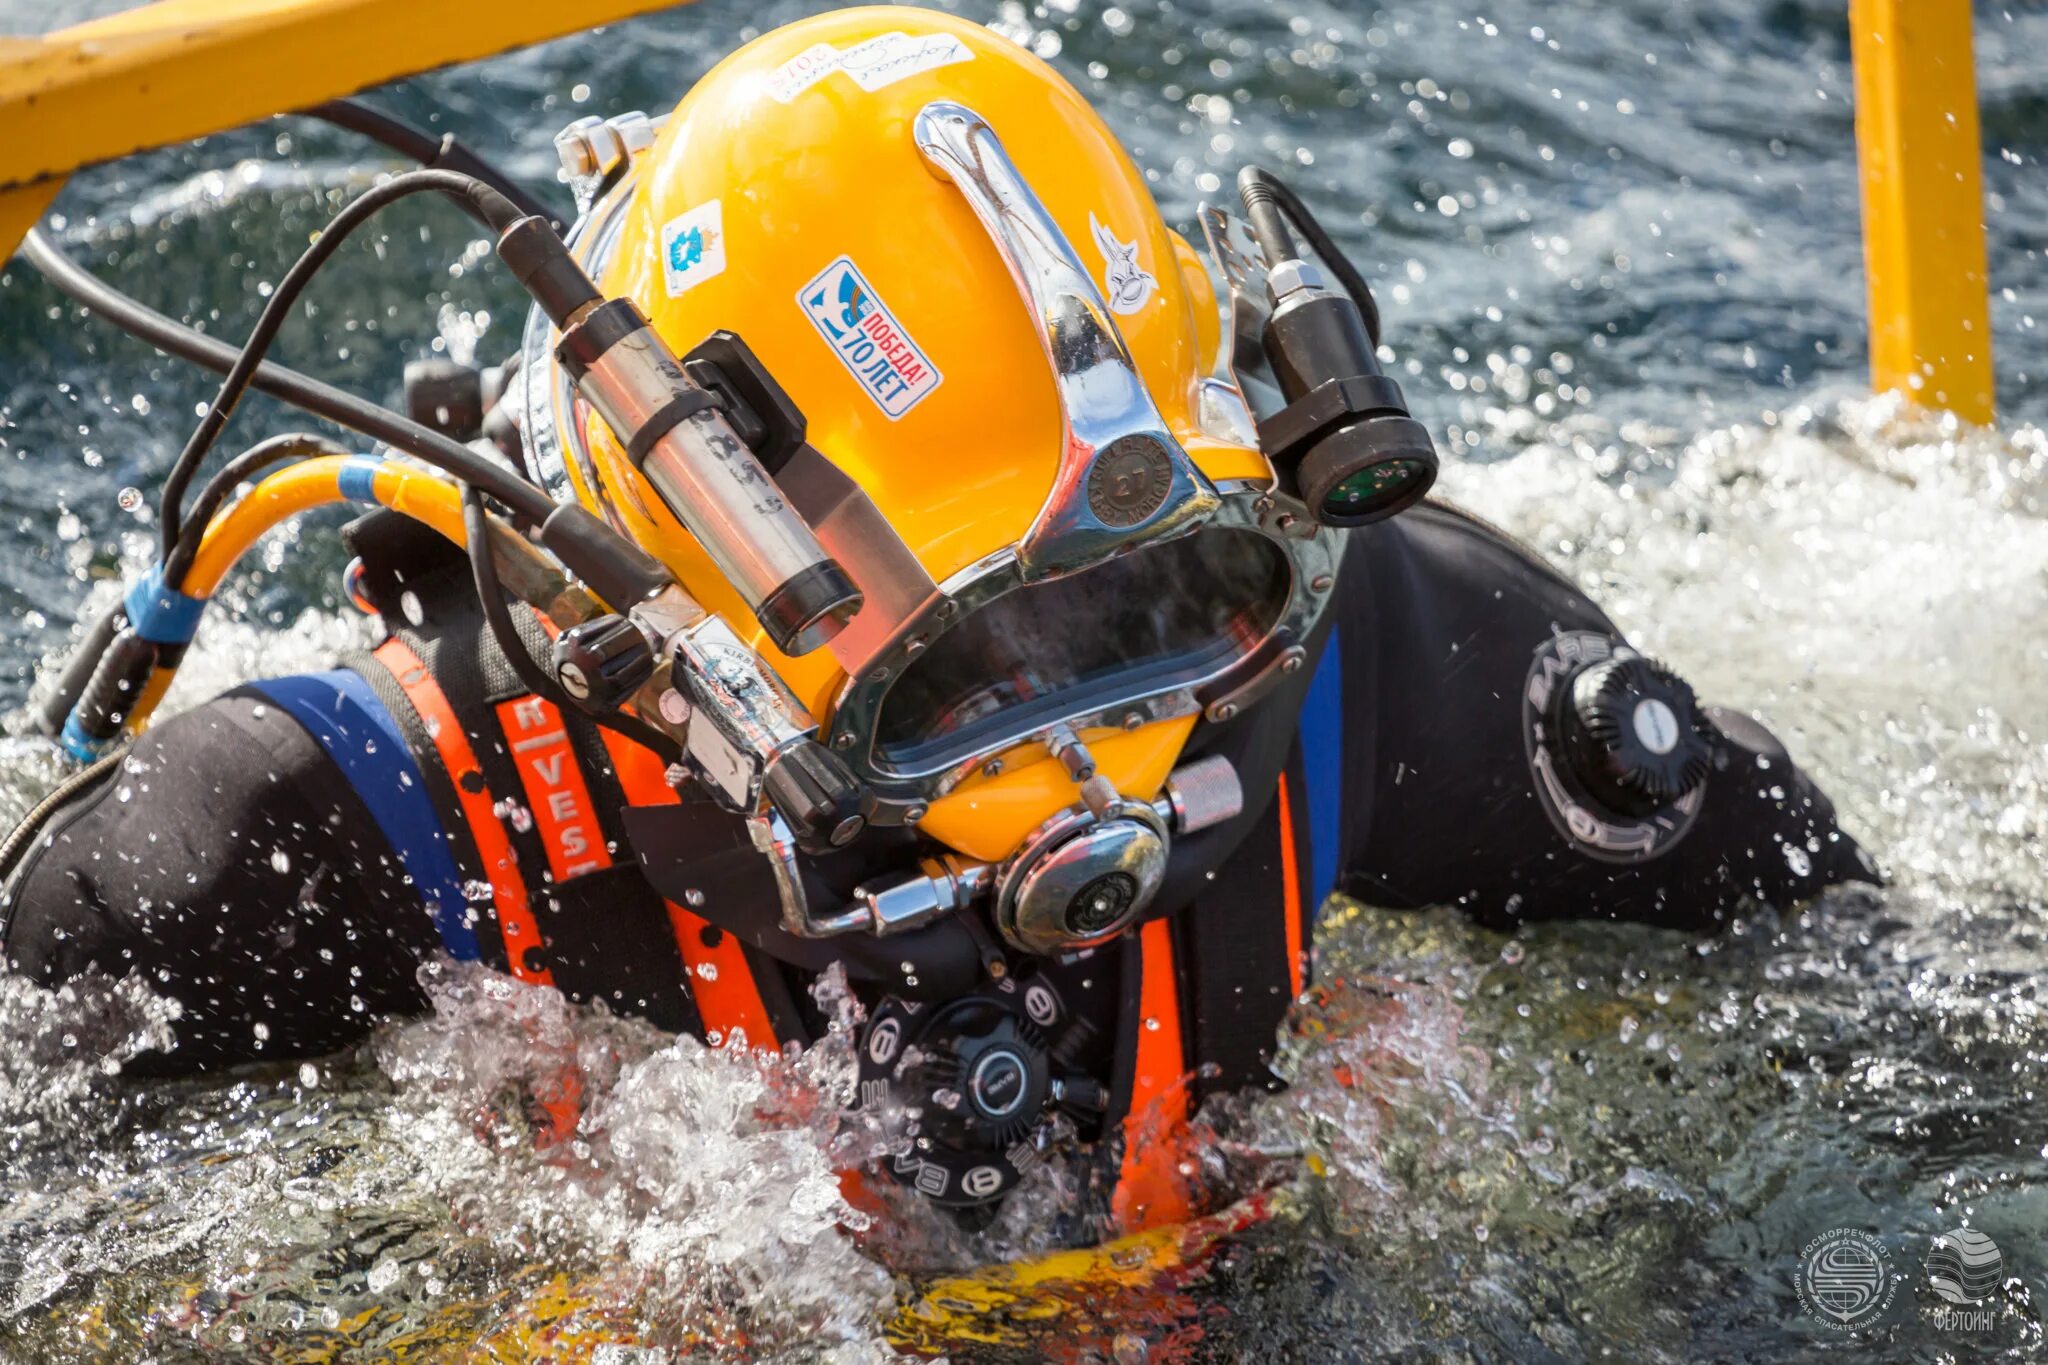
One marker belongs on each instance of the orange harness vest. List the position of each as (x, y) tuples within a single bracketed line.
[(555, 795), (526, 782)]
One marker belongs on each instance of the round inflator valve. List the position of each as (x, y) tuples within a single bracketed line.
[(1080, 881), (1633, 734)]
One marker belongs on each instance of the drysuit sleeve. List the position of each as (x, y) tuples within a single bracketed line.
[(1445, 623), (228, 862)]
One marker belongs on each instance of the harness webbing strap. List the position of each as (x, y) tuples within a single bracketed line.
[(1149, 1189), (339, 710), (523, 950), (721, 978), (1290, 884), (555, 790)]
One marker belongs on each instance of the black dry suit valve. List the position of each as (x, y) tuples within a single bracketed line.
[(1344, 442), (678, 434)]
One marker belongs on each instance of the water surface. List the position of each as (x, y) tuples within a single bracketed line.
[(1617, 250)]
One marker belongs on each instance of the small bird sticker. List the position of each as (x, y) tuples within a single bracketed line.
[(1126, 285)]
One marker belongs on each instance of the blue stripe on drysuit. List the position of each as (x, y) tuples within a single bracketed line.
[(1322, 762), (339, 710)]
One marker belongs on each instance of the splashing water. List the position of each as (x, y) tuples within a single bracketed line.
[(1616, 249)]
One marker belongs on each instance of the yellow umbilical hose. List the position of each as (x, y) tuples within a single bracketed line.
[(283, 495)]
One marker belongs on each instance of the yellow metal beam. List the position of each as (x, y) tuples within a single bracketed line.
[(21, 206), (179, 69), (1923, 203)]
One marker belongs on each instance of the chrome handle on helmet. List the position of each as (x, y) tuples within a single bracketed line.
[(1123, 479)]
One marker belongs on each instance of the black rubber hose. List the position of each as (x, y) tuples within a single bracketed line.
[(1260, 188), (24, 835), (484, 203), (445, 153), (498, 616), (293, 445), (55, 708), (528, 504)]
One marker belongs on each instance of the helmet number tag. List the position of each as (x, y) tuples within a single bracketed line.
[(872, 345), (692, 248)]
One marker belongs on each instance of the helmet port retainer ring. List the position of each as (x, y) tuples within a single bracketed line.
[(1244, 506)]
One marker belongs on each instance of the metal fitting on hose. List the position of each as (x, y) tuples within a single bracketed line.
[(677, 435)]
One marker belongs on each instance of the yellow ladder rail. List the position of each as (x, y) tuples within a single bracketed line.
[(1920, 148)]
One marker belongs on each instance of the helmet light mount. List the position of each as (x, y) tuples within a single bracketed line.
[(1344, 442)]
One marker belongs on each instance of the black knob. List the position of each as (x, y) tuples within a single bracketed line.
[(1633, 734), (445, 395), (985, 1075), (603, 662), (817, 795)]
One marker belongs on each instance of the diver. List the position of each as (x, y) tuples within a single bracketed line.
[(904, 565)]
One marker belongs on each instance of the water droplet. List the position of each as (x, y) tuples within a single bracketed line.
[(280, 860)]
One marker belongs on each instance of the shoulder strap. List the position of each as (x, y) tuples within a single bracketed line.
[(1243, 946), (1205, 993), (1149, 1091), (341, 712), (725, 978), (474, 798)]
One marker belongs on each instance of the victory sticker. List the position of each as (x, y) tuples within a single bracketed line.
[(692, 248), (876, 351)]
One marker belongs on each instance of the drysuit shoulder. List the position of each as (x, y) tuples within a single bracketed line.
[(228, 862), (1452, 637)]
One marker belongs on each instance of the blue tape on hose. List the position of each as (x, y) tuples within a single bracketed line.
[(78, 743), (161, 615), (358, 480)]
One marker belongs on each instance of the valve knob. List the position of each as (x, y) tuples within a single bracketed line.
[(1633, 734), (603, 662), (985, 1073), (817, 795)]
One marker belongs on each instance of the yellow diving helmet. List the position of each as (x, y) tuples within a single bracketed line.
[(1017, 437)]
